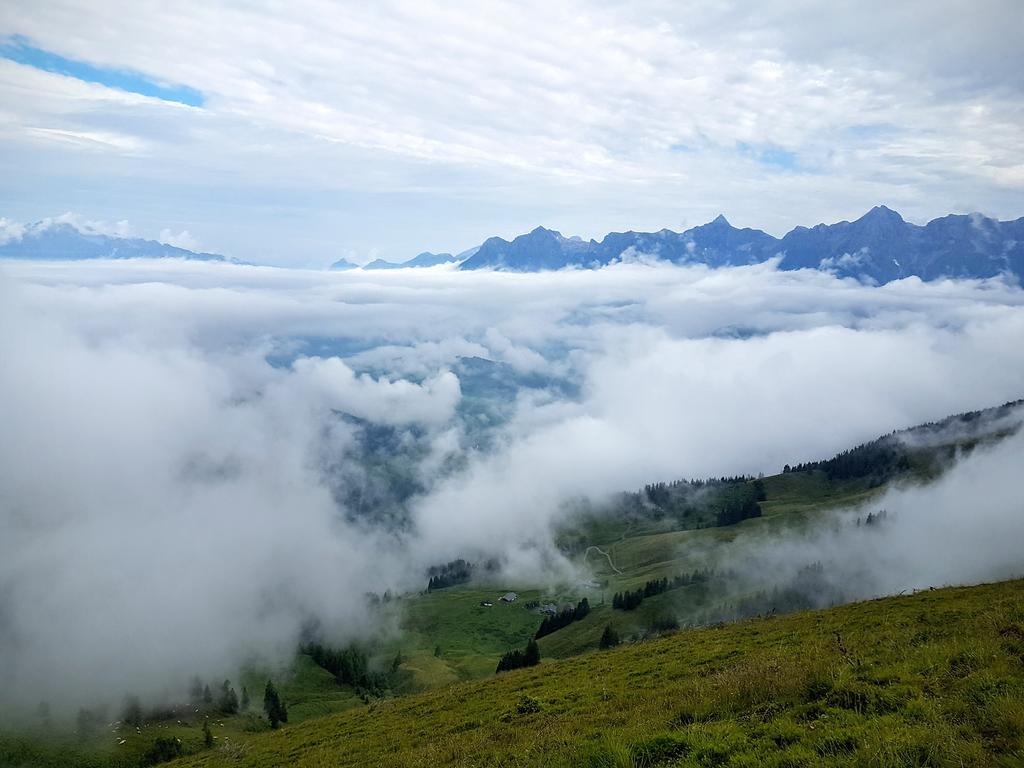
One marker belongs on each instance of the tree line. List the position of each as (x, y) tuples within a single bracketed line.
[(226, 700), (630, 600), (350, 666), (873, 518), (448, 575), (564, 617), (715, 501), (662, 494), (516, 659), (738, 502), (878, 461)]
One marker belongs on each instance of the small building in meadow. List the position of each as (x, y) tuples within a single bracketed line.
[(509, 597)]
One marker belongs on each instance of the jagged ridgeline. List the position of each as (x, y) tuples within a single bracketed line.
[(878, 247)]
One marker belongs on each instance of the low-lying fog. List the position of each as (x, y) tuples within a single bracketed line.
[(183, 457)]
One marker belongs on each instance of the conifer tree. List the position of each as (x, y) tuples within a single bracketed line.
[(273, 706), (532, 654), (609, 638), (228, 700)]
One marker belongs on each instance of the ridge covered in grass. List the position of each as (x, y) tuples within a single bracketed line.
[(933, 678)]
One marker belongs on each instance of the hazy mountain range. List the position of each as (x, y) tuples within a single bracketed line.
[(66, 242), (425, 259), (878, 247)]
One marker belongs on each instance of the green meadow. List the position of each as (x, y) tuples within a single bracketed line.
[(929, 679)]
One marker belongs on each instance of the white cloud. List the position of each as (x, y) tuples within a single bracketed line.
[(14, 230), (962, 529), (166, 487), (183, 239), (378, 400), (88, 226), (624, 117), (845, 261), (10, 230)]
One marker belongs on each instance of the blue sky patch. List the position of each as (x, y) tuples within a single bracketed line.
[(18, 49), (774, 157)]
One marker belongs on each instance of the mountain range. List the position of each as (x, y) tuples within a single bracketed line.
[(878, 247), (425, 259), (66, 242)]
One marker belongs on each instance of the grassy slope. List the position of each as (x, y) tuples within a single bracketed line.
[(935, 678), (309, 690), (792, 501), (470, 636)]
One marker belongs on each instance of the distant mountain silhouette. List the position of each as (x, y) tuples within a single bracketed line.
[(424, 259), (878, 247), (65, 242)]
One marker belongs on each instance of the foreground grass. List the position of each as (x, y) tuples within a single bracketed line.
[(935, 678)]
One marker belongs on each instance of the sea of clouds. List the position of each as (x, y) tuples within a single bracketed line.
[(173, 435)]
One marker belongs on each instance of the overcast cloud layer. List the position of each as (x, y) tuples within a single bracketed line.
[(167, 495), (384, 129)]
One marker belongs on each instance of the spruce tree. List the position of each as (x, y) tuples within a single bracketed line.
[(532, 654), (609, 638), (270, 704), (273, 706), (207, 734), (227, 702)]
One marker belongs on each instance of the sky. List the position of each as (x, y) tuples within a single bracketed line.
[(300, 133)]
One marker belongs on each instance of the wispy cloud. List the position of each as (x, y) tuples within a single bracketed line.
[(466, 120)]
